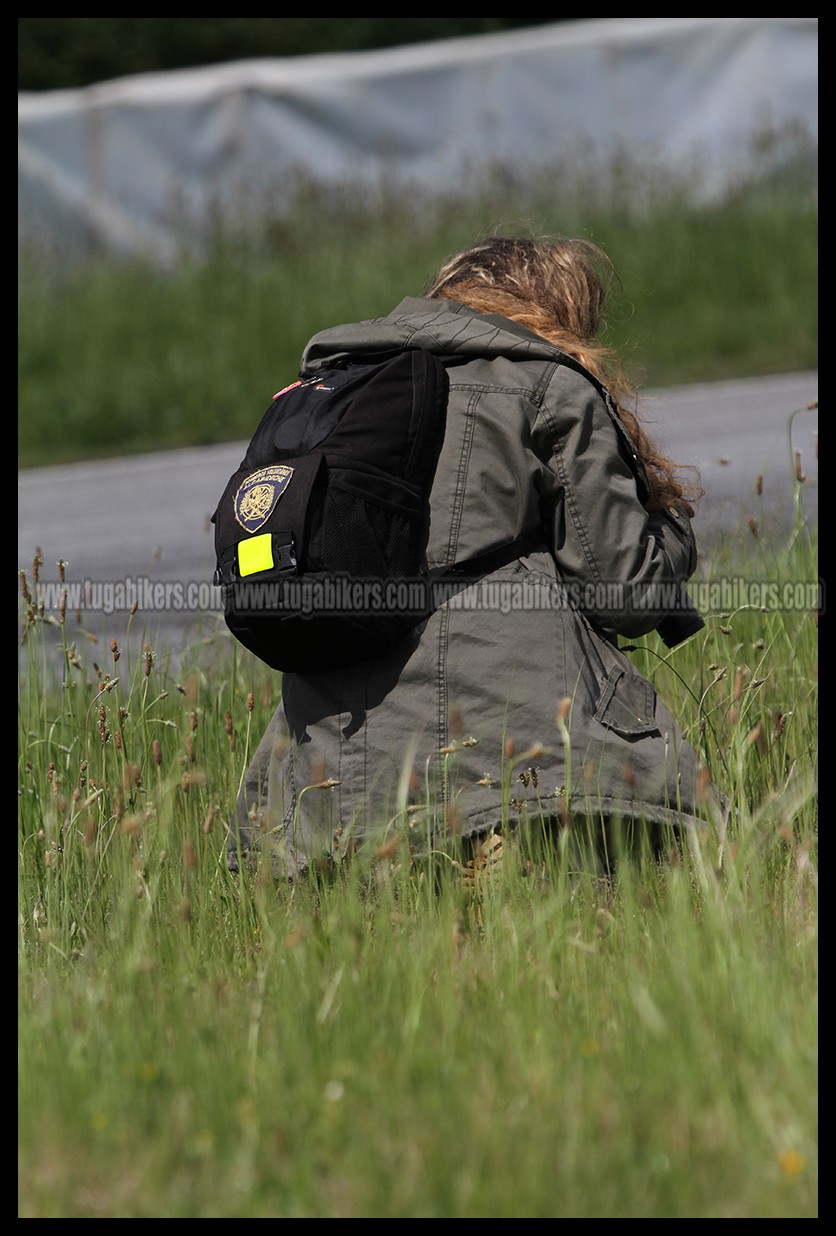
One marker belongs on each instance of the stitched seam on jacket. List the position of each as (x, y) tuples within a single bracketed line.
[(452, 546), (490, 388), (569, 498), (474, 332), (441, 672), (461, 477)]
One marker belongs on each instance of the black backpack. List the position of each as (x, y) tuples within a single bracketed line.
[(321, 533)]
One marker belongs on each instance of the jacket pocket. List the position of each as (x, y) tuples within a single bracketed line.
[(627, 704)]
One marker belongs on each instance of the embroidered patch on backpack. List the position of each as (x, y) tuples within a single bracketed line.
[(257, 496)]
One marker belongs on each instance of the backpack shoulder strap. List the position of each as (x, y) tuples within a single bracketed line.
[(447, 580)]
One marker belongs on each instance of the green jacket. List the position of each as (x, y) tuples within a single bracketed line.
[(457, 727)]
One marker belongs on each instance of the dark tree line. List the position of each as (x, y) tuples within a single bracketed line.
[(64, 52)]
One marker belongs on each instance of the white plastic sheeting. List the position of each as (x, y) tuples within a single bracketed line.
[(126, 164)]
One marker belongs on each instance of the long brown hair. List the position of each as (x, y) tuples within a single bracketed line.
[(559, 289)]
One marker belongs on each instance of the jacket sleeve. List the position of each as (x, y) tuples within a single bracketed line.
[(623, 566)]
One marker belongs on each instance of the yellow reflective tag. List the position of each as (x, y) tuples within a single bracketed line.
[(255, 554)]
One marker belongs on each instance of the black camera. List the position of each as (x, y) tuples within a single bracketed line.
[(685, 620)]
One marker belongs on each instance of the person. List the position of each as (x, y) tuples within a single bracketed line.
[(512, 703)]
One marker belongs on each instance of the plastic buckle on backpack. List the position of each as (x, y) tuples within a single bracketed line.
[(284, 556), (224, 574)]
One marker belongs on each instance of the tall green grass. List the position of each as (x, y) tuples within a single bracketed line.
[(391, 1042), (119, 357)]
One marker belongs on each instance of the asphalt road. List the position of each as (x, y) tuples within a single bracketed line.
[(137, 529)]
